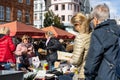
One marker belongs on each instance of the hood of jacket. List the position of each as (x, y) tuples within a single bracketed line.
[(2, 37)]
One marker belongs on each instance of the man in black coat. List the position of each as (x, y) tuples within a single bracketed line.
[(52, 45), (103, 47)]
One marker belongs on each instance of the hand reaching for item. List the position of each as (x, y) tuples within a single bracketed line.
[(42, 51)]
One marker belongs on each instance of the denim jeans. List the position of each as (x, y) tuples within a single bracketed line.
[(6, 65), (51, 65), (66, 76)]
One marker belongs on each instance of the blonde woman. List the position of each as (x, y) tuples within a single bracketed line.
[(24, 50), (81, 42), (6, 48)]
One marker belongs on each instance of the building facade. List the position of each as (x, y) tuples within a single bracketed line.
[(65, 9), (39, 10), (20, 10)]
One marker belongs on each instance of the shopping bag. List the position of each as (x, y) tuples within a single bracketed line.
[(35, 61)]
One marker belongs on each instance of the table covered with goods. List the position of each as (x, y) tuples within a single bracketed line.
[(40, 70)]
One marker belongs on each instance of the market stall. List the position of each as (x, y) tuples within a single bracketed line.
[(59, 33), (19, 29)]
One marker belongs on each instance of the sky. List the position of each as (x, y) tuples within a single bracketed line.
[(114, 6)]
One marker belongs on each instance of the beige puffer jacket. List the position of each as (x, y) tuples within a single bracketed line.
[(80, 49)]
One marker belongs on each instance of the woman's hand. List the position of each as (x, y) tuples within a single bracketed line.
[(24, 52), (29, 49)]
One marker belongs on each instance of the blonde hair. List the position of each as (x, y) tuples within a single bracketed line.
[(25, 37), (83, 21), (5, 30)]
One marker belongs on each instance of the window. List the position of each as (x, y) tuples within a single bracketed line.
[(56, 7), (28, 2), (76, 0), (35, 16), (75, 8), (35, 25), (69, 17), (27, 17), (8, 15), (35, 6), (40, 16), (1, 13), (63, 6), (19, 15), (78, 9), (41, 6), (63, 17), (69, 6), (40, 26), (20, 1)]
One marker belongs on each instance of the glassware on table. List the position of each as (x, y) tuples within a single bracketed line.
[(45, 66)]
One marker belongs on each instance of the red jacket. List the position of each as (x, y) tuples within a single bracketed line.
[(6, 49)]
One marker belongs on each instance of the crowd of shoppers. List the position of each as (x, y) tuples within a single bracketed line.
[(94, 47)]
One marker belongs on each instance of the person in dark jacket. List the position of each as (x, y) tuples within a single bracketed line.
[(103, 46), (52, 45)]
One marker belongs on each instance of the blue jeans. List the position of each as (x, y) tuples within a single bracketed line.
[(51, 65), (19, 65), (6, 65), (66, 76)]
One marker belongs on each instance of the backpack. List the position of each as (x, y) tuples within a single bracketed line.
[(116, 66)]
